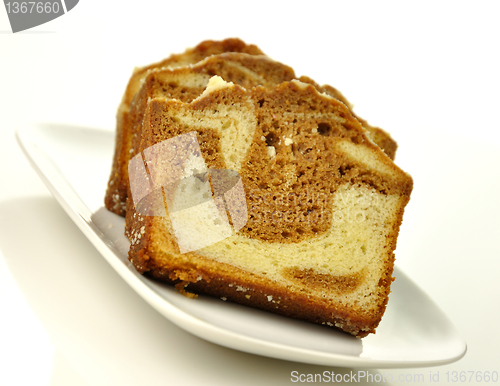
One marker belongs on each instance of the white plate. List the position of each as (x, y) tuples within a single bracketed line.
[(74, 162)]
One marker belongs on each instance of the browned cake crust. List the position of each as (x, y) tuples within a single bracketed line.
[(240, 68), (190, 56), (320, 150), (116, 193)]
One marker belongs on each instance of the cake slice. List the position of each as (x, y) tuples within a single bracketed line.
[(186, 83), (306, 222)]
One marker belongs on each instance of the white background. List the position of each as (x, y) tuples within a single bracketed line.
[(426, 72)]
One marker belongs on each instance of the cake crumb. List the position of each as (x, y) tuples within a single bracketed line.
[(181, 288), (215, 83), (271, 151)]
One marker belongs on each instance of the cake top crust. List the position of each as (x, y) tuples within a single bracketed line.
[(190, 56)]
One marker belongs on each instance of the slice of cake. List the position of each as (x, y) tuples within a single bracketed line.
[(275, 198), (185, 84)]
